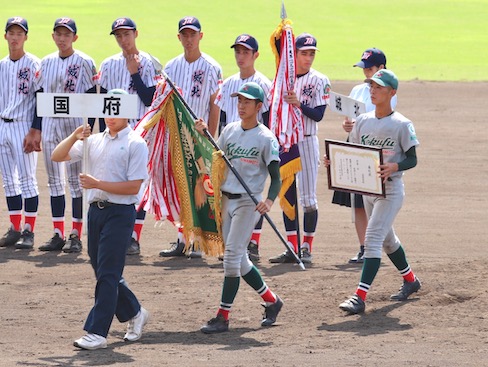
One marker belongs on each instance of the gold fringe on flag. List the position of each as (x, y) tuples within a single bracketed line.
[(276, 35), (219, 170)]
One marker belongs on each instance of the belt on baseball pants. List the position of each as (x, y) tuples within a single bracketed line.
[(8, 120), (231, 196), (105, 204)]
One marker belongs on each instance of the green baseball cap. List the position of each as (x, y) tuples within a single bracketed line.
[(250, 90), (385, 78)]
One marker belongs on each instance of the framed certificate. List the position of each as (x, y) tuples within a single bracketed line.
[(353, 168)]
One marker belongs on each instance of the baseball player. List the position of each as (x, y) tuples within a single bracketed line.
[(117, 165), (245, 52), (311, 94), (372, 60), (133, 71), (254, 152), (395, 134), (65, 71), (199, 76), (17, 105)]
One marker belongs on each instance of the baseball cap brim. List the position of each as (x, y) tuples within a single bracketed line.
[(190, 26), (122, 27), (19, 24), (242, 44), (246, 95), (304, 48), (65, 26)]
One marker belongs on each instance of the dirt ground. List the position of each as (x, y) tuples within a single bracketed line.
[(45, 297)]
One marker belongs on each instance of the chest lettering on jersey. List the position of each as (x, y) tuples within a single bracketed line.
[(72, 73), (198, 79), (235, 151), (385, 143), (23, 77), (307, 93)]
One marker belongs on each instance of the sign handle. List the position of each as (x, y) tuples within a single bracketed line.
[(84, 170)]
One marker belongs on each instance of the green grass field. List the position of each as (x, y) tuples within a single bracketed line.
[(442, 40)]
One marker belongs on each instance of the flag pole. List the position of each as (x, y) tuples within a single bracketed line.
[(232, 168)]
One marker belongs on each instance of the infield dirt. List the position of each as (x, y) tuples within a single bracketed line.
[(45, 297)]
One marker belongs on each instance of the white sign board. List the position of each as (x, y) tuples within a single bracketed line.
[(87, 105), (346, 106)]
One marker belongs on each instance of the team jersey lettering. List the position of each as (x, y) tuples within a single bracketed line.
[(386, 143), (23, 77), (235, 151)]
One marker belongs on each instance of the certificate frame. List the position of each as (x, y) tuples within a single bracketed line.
[(354, 168)]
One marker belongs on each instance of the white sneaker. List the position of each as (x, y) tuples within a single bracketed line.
[(91, 342), (135, 325)]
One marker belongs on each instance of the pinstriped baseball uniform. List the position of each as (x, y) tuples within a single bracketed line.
[(17, 104), (73, 74), (312, 89), (115, 75), (198, 81), (231, 85)]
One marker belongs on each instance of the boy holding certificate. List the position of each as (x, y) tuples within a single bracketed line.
[(395, 134)]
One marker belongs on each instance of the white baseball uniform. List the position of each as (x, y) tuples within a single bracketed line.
[(17, 106), (231, 85), (395, 134), (312, 90), (73, 74), (250, 152), (198, 81), (115, 75)]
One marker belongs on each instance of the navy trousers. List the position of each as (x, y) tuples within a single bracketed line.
[(109, 235)]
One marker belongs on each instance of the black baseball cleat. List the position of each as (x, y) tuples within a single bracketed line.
[(26, 240), (253, 252), (177, 249), (406, 290), (56, 243), (134, 247), (10, 238), (358, 259), (216, 325), (73, 244), (285, 257), (271, 312), (353, 305)]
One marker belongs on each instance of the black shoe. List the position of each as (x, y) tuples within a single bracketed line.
[(216, 325), (177, 249), (406, 290), (271, 312), (10, 238), (306, 256), (73, 244), (26, 240), (358, 259), (285, 257), (194, 254), (134, 247), (353, 305), (253, 251), (56, 243)]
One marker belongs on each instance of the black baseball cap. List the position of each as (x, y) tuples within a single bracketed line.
[(306, 41), (372, 57), (123, 23), (21, 22), (189, 22), (247, 41), (66, 23)]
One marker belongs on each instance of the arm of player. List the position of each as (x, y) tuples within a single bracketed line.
[(316, 113), (61, 152), (213, 117), (274, 188), (32, 141), (410, 161), (118, 188)]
